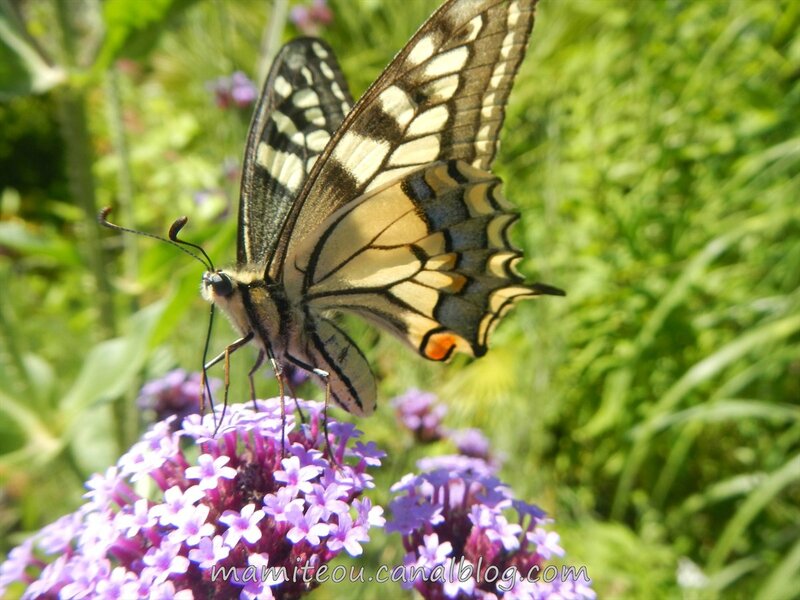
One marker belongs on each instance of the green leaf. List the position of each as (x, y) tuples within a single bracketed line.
[(110, 367), (133, 27), (23, 69)]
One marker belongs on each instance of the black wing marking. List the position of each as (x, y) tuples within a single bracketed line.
[(304, 100)]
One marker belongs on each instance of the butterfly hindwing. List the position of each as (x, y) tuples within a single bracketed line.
[(427, 257), (441, 98), (304, 100)]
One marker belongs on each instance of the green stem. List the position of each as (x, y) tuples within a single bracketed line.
[(272, 38), (75, 133)]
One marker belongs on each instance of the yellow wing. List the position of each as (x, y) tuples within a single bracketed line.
[(426, 257)]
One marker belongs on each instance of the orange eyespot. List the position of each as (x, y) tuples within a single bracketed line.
[(439, 346)]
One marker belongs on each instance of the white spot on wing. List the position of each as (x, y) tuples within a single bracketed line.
[(508, 44), (449, 62), (422, 50), (442, 89), (390, 175), (326, 70), (316, 140), (430, 121), (315, 116), (396, 103), (474, 27), (306, 98), (283, 123), (286, 168), (361, 156), (282, 87), (513, 14), (337, 91), (319, 50), (419, 151)]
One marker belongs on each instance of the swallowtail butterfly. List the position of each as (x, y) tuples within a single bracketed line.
[(385, 208)]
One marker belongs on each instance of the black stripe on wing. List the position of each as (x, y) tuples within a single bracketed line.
[(304, 100)]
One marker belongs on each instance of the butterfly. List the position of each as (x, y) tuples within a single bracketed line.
[(386, 208)]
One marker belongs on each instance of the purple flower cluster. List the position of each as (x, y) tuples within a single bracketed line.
[(177, 393), (422, 414), (463, 542), (237, 90), (311, 18), (191, 514)]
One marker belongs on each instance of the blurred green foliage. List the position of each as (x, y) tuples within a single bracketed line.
[(654, 152)]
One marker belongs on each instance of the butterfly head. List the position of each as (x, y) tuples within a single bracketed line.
[(217, 286), (242, 296)]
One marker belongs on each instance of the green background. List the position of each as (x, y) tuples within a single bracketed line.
[(653, 149)]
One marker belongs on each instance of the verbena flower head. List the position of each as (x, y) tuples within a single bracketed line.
[(191, 514), (422, 414), (310, 18), (177, 393), (467, 537), (237, 90)]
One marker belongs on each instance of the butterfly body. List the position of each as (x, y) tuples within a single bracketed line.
[(387, 208)]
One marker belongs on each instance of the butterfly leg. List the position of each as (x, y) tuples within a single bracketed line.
[(251, 373), (224, 355), (296, 401), (276, 367), (326, 377)]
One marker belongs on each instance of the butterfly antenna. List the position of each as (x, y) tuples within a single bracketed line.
[(102, 218), (175, 229)]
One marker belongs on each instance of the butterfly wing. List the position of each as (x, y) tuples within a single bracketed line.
[(442, 98), (304, 100), (427, 257)]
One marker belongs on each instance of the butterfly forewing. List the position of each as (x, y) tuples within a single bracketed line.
[(304, 100), (441, 98)]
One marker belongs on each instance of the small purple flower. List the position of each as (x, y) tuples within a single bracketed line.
[(431, 553), (175, 501), (421, 413), (176, 393), (242, 525), (210, 470), (230, 499), (133, 521), (166, 560), (237, 90), (471, 442), (347, 535), (209, 552), (454, 539), (306, 526), (311, 18), (293, 476), (191, 525)]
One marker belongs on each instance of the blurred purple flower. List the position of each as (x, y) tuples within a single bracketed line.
[(311, 18), (236, 90), (462, 541), (421, 413), (471, 442), (240, 504), (176, 393)]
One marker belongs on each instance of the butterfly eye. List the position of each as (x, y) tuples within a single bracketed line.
[(221, 283)]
